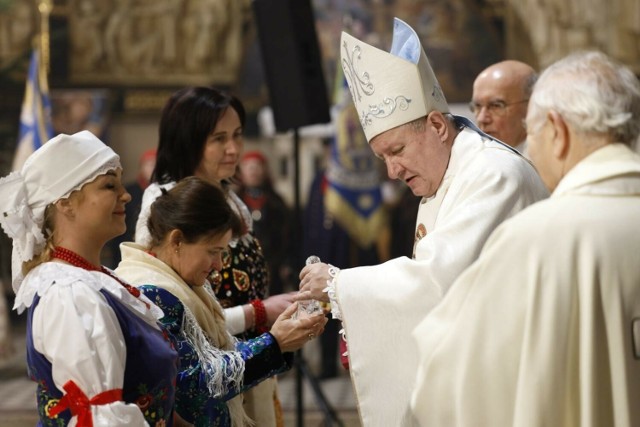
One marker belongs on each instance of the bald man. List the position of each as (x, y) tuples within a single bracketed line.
[(500, 96)]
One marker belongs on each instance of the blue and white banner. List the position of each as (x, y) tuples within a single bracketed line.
[(35, 119), (353, 196)]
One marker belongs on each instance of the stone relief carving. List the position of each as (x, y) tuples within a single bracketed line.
[(166, 42), (18, 24), (155, 41), (557, 27)]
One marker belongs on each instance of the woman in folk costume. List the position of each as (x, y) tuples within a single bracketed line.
[(201, 134), (190, 228), (94, 345)]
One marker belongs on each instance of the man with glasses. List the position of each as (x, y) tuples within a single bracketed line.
[(499, 102), (469, 184)]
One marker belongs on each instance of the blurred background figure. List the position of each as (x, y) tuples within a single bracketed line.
[(146, 164), (271, 216), (500, 96), (6, 343)]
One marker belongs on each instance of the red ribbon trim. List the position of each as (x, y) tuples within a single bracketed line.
[(80, 404)]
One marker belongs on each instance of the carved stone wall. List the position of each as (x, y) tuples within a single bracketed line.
[(155, 42), (18, 24), (543, 31)]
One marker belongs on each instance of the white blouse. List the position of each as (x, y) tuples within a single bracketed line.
[(74, 327)]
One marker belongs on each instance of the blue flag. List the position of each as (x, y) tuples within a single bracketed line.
[(35, 119), (354, 196)]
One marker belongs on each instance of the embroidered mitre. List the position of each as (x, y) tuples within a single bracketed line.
[(391, 88)]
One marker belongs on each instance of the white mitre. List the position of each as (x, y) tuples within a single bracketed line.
[(390, 89)]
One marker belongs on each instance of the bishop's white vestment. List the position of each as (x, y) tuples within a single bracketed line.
[(484, 184), (544, 329)]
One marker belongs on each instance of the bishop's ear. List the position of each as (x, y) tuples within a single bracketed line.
[(438, 122)]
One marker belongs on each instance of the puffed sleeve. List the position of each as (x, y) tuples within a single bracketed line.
[(78, 332), (142, 235)]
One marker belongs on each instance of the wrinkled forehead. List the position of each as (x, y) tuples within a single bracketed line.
[(385, 141), (391, 140)]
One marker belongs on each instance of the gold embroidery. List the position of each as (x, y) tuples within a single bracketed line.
[(241, 280), (421, 232)]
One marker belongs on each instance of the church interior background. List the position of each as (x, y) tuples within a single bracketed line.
[(113, 63)]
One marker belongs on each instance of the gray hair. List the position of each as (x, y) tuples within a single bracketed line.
[(593, 93), (418, 125)]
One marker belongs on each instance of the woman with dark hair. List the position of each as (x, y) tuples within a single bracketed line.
[(190, 228), (200, 134)]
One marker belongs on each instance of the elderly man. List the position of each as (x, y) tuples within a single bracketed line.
[(544, 329), (469, 182), (499, 101)]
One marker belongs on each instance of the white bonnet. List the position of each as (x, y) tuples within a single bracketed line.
[(62, 165), (392, 88)]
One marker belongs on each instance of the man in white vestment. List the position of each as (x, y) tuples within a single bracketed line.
[(544, 328), (469, 182), (499, 101)]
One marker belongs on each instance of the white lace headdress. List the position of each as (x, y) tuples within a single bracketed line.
[(391, 88), (62, 165)]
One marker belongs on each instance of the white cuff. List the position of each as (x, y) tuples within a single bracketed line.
[(331, 291), (235, 320)]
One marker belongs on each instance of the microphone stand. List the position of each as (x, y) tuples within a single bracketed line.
[(302, 369)]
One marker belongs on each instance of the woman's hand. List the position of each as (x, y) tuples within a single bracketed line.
[(276, 304), (292, 334)]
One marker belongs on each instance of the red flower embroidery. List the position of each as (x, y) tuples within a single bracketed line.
[(144, 401)]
